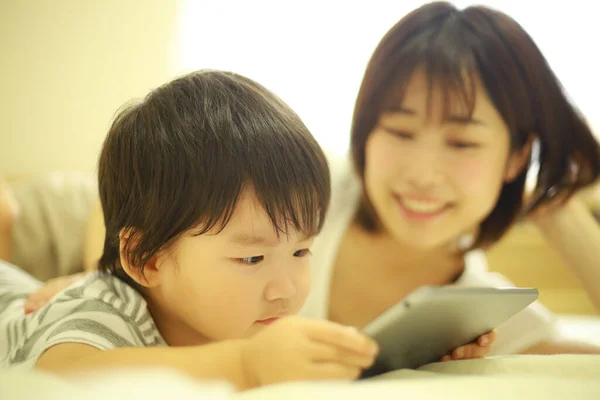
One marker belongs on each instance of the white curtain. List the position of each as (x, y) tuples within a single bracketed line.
[(313, 53)]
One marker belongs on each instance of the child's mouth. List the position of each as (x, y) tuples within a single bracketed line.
[(267, 321)]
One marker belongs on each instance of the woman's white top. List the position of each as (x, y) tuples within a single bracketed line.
[(533, 325)]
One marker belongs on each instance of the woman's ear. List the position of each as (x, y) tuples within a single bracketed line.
[(518, 160), (147, 277)]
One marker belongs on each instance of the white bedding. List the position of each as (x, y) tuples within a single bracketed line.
[(516, 377), (580, 327)]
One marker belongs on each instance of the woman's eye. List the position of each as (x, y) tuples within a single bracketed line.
[(457, 144), (251, 260), (302, 253), (401, 134)]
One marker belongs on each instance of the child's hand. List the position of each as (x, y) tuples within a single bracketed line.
[(296, 348), (478, 349), (40, 297)]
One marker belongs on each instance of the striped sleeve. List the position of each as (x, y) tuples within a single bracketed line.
[(101, 312), (85, 321)]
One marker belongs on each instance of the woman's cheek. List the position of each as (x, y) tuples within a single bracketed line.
[(476, 175), (479, 182)]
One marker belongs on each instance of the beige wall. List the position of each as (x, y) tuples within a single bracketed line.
[(66, 67)]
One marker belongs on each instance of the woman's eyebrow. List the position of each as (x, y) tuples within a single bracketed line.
[(463, 120), (402, 110), (454, 119)]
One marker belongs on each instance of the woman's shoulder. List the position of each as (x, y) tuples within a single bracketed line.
[(477, 272), (345, 183), (345, 193)]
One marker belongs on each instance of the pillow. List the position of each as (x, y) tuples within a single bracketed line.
[(49, 232)]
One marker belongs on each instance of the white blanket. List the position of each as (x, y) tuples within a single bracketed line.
[(518, 377)]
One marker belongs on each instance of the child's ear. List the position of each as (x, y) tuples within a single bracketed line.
[(147, 278), (518, 160)]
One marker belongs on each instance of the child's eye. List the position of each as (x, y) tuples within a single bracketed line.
[(251, 260), (463, 145), (302, 253)]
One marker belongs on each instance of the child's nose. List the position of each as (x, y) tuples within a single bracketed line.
[(282, 287)]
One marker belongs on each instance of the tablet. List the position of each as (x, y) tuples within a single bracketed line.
[(432, 321)]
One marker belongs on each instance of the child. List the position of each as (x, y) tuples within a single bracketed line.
[(212, 190)]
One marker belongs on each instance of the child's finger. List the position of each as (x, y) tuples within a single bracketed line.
[(322, 352), (342, 336)]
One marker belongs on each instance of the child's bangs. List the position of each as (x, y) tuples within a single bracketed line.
[(291, 184), (301, 210), (291, 208)]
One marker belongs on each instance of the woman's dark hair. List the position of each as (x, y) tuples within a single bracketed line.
[(454, 47), (179, 160)]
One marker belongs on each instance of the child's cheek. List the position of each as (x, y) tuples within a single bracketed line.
[(302, 283)]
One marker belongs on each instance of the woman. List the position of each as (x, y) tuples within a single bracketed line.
[(450, 106)]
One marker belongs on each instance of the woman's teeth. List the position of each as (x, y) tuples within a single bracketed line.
[(422, 206)]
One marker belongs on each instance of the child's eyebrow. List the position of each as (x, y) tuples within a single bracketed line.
[(245, 239)]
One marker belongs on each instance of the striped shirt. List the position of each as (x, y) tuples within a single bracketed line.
[(100, 311)]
